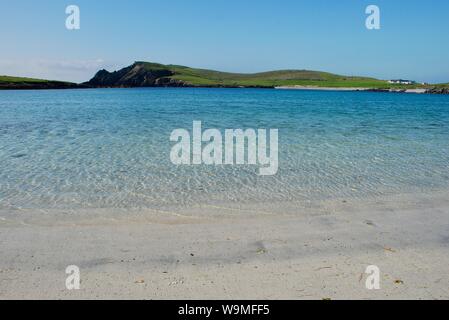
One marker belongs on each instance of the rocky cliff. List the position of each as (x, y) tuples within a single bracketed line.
[(136, 75), (438, 90)]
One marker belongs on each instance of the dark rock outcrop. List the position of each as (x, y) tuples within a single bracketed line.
[(438, 90), (136, 75)]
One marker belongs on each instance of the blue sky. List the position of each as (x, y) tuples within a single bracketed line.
[(228, 35)]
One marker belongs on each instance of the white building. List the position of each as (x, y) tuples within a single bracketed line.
[(401, 81)]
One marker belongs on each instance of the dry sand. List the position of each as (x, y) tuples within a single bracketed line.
[(265, 251), (316, 88), (299, 87)]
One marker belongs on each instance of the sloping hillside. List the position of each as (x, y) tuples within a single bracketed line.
[(7, 82), (146, 74)]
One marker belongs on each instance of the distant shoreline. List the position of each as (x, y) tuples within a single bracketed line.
[(301, 88), (142, 74)]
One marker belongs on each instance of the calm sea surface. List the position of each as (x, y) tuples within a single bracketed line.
[(109, 148)]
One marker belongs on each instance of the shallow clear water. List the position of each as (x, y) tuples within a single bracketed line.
[(110, 147)]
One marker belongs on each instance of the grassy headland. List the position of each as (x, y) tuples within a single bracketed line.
[(204, 77), (8, 82), (149, 74)]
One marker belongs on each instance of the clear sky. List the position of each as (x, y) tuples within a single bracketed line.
[(227, 35)]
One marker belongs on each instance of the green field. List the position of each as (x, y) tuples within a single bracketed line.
[(441, 85), (8, 79)]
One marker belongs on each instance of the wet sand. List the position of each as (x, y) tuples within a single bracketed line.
[(264, 251)]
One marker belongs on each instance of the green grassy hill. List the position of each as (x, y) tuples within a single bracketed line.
[(147, 74), (204, 77), (8, 79), (8, 82)]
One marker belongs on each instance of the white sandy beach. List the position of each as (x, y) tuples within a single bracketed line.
[(238, 252), (299, 87)]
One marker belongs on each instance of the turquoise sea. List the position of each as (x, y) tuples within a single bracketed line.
[(109, 148)]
